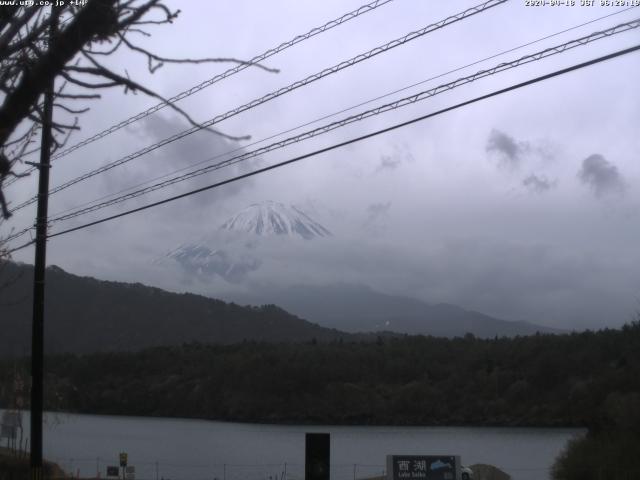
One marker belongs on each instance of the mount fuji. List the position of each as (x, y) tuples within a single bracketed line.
[(266, 233), (231, 251), (275, 218)]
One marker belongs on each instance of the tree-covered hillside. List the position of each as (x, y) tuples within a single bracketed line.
[(86, 315), (546, 380)]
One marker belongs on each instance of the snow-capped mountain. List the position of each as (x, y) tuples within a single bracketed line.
[(233, 250), (275, 218)]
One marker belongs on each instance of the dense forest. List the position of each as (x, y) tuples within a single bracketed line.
[(589, 379), (543, 380)]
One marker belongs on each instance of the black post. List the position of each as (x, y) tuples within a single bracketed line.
[(317, 461), (37, 333)]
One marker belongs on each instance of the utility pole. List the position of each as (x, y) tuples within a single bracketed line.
[(37, 333)]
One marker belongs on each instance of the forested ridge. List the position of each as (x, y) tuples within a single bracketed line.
[(86, 315), (542, 380)]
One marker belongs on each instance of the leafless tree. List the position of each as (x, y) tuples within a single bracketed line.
[(70, 43)]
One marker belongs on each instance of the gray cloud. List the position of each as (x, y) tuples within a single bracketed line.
[(509, 150), (602, 176), (376, 210), (188, 150), (401, 154), (515, 281), (377, 213), (197, 150), (538, 183), (388, 162)]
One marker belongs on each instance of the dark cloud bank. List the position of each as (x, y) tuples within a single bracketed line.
[(601, 176)]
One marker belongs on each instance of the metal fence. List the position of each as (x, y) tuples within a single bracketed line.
[(94, 468)]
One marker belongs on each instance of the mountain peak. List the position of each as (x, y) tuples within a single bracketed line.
[(233, 260), (274, 218)]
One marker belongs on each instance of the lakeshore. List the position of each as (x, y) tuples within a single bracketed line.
[(191, 449)]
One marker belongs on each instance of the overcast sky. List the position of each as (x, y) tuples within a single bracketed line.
[(524, 206)]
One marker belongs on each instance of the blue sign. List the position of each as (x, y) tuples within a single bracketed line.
[(423, 467)]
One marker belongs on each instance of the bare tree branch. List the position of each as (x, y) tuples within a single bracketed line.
[(102, 71), (82, 30), (71, 110), (14, 29), (79, 96), (30, 60), (158, 58)]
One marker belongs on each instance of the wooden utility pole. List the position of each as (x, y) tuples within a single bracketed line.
[(37, 333)]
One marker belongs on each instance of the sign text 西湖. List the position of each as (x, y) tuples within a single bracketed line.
[(422, 467)]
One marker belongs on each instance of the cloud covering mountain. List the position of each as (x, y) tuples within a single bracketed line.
[(269, 253), (492, 207)]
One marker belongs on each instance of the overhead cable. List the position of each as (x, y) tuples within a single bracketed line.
[(93, 205), (231, 71), (333, 114), (356, 139), (501, 91), (275, 94), (238, 68), (361, 116)]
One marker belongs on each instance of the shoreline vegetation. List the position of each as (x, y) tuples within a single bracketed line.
[(60, 413), (589, 380), (534, 381)]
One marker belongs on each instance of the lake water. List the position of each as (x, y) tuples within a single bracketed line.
[(180, 449)]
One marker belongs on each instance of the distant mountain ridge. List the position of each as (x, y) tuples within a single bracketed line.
[(85, 315), (236, 249), (358, 308)]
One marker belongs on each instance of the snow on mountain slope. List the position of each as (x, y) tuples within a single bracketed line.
[(274, 218), (233, 250)]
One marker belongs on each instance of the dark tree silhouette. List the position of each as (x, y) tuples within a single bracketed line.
[(32, 53)]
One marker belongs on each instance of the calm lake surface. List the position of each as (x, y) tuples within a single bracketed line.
[(180, 449)]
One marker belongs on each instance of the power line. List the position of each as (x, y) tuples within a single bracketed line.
[(357, 139), (18, 234), (277, 93), (351, 141), (257, 59), (355, 12), (324, 117), (536, 56), (361, 116), (232, 71)]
